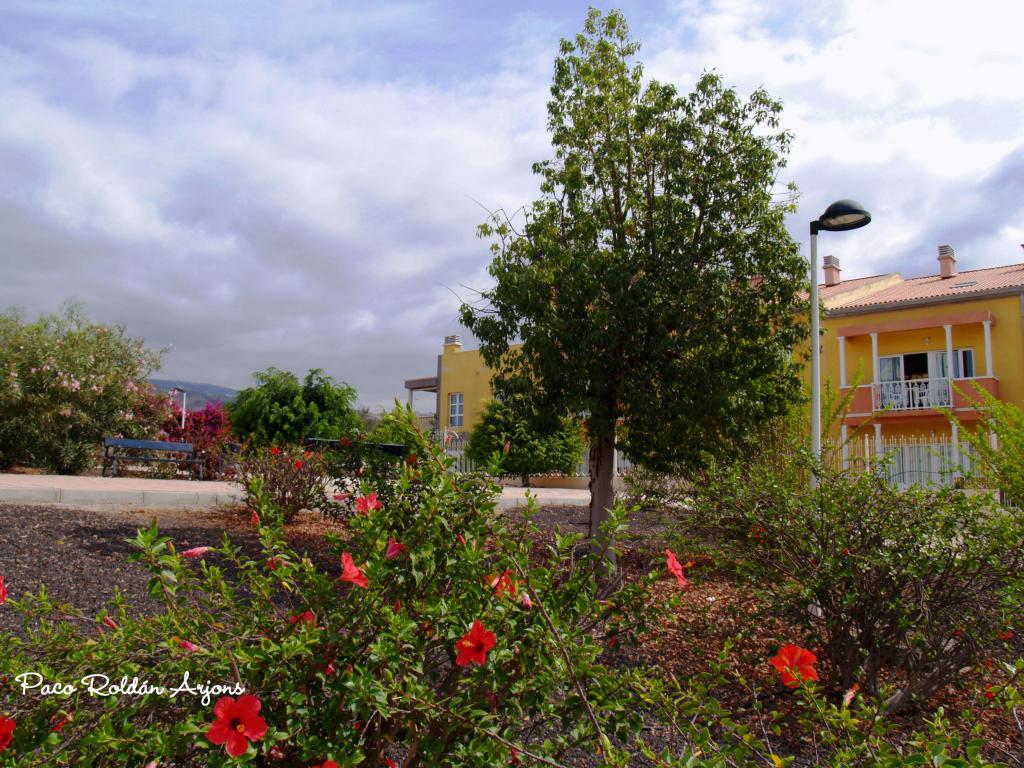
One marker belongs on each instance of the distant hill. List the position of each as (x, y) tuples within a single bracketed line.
[(198, 394)]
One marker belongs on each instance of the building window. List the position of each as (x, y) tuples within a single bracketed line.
[(455, 409)]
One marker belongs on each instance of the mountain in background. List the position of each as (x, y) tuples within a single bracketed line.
[(198, 395)]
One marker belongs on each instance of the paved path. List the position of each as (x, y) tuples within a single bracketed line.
[(156, 494)]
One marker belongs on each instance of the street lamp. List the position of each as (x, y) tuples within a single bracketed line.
[(184, 399), (841, 216)]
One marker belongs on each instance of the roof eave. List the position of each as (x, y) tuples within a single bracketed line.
[(926, 302)]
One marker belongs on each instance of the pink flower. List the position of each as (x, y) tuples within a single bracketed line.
[(676, 569), (795, 664), (190, 647), (848, 696), (365, 504), (341, 496), (527, 603), (306, 617), (6, 730), (3, 591), (394, 549), (350, 573), (474, 645), (237, 722), (196, 551), (109, 622)]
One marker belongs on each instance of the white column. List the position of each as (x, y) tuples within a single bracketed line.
[(842, 361), (844, 434), (875, 373), (878, 441), (988, 347), (949, 351), (410, 398), (993, 441)]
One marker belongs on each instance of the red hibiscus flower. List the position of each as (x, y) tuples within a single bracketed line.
[(412, 459), (237, 723), (306, 617), (275, 451), (503, 584), (327, 764), (395, 549), (190, 647), (308, 454), (59, 725), (676, 569), (344, 442), (275, 562), (474, 645), (514, 759), (255, 519), (990, 692), (3, 591), (364, 504), (1004, 635), (349, 571), (298, 464), (390, 763), (109, 622), (795, 664), (196, 551), (6, 729)]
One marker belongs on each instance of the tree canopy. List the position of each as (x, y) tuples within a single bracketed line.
[(281, 410), (653, 284)]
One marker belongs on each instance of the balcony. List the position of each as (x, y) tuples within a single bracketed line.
[(914, 395), (917, 399)]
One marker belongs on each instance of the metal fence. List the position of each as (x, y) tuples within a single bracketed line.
[(455, 445), (906, 461)]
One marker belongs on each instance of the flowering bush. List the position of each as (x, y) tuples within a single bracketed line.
[(290, 478), (65, 383), (207, 430), (908, 587), (413, 655)]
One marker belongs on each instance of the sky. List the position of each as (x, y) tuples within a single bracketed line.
[(256, 183)]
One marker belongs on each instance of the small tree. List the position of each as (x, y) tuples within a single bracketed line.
[(65, 383), (526, 448), (280, 410), (653, 284)]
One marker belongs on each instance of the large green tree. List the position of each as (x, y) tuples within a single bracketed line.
[(653, 285), (281, 410)]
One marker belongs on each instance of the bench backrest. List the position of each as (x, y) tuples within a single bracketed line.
[(146, 445)]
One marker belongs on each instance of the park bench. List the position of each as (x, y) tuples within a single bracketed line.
[(119, 450)]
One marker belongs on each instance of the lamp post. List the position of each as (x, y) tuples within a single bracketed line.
[(184, 399), (841, 216)]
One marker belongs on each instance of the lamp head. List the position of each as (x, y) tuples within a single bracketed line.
[(844, 215)]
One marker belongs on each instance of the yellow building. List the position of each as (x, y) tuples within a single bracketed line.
[(462, 387), (886, 340)]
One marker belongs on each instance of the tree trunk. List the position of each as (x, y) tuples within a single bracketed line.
[(526, 481), (602, 492)]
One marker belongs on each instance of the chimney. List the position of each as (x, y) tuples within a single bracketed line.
[(455, 341), (947, 261), (831, 270)]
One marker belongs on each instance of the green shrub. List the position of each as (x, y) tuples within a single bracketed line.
[(290, 479), (354, 670), (282, 411), (65, 383), (525, 447), (905, 587)]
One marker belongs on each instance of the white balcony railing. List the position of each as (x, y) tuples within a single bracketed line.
[(912, 395)]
